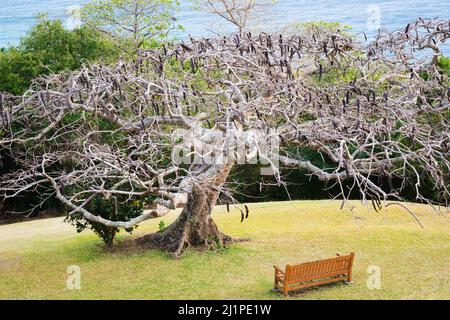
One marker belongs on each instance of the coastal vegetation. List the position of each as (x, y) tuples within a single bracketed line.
[(49, 48)]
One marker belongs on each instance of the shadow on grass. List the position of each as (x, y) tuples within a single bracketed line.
[(302, 293), (89, 249)]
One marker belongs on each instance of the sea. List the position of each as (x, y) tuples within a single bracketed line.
[(18, 16)]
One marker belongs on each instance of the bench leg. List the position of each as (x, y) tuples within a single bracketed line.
[(275, 287), (285, 291), (349, 278)]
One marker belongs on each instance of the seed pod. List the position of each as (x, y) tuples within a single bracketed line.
[(373, 205)]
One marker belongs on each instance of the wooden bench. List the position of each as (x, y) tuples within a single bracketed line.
[(314, 273)]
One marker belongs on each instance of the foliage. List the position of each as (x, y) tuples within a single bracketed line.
[(50, 48), (162, 226), (17, 69), (444, 65), (114, 208), (65, 49)]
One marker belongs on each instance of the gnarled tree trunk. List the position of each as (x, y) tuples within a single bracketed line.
[(195, 226)]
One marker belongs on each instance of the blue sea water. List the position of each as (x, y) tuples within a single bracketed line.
[(17, 16)]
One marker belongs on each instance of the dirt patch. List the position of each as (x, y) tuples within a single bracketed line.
[(10, 264)]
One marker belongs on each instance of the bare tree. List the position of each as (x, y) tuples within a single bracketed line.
[(113, 131), (132, 24), (236, 12)]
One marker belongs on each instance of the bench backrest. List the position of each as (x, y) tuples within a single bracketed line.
[(319, 269)]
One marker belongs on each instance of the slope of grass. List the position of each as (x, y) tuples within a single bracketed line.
[(414, 262)]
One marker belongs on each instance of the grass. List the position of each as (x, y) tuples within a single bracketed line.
[(414, 262)]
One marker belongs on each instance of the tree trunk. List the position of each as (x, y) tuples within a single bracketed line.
[(195, 226), (110, 241)]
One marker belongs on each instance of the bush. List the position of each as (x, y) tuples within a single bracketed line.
[(162, 226), (444, 65), (50, 48), (17, 69), (114, 208)]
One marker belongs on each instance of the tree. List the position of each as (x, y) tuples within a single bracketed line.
[(132, 24), (236, 12), (317, 28), (17, 70), (48, 48), (173, 132)]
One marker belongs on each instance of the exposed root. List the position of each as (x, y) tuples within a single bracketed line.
[(195, 227), (177, 243)]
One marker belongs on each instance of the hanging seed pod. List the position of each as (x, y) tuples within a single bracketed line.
[(358, 107), (374, 206), (192, 64), (186, 48), (407, 30)]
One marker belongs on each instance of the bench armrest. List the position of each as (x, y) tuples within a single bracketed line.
[(278, 270)]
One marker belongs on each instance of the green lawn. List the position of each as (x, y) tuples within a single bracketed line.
[(414, 262)]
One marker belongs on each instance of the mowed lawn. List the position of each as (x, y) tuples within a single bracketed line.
[(414, 262)]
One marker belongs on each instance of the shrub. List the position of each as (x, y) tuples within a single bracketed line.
[(114, 208), (162, 226), (50, 48), (17, 69), (444, 65)]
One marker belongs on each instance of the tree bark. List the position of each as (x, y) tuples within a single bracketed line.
[(110, 241), (194, 227)]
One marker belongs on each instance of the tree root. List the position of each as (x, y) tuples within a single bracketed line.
[(177, 244)]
